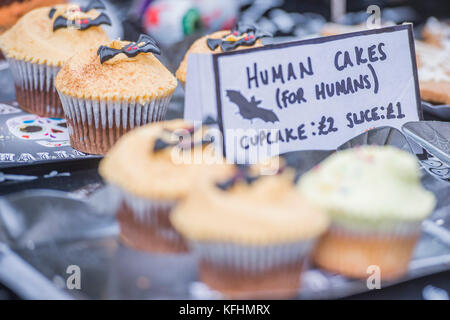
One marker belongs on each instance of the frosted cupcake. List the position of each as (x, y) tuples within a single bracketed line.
[(12, 10), (242, 37), (110, 90), (40, 43), (251, 233), (376, 204), (152, 172)]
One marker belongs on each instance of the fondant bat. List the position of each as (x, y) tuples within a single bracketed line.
[(94, 4), (144, 44), (242, 174), (161, 144), (81, 24), (242, 35)]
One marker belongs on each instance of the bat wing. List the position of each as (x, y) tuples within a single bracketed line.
[(265, 114), (150, 44), (51, 13), (146, 38), (94, 4), (246, 28), (60, 22), (238, 99), (262, 34), (247, 109), (101, 19), (107, 53), (213, 43)]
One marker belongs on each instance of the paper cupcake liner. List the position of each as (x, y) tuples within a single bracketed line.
[(95, 125), (354, 253), (240, 271), (145, 224), (35, 91)]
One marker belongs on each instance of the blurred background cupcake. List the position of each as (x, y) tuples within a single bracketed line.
[(252, 233), (376, 203), (110, 90), (12, 10), (153, 168), (40, 43), (241, 37)]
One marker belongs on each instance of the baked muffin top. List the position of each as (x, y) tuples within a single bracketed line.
[(34, 39), (369, 186), (150, 162), (268, 210), (140, 78)]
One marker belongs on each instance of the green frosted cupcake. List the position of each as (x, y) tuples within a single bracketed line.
[(376, 204)]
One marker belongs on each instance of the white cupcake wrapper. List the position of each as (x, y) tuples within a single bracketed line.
[(147, 211), (253, 259), (112, 117), (394, 231), (33, 77)]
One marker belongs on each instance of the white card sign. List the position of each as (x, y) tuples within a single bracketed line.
[(306, 95)]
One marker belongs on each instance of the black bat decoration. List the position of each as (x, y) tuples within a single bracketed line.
[(246, 35), (161, 144), (249, 109), (94, 4), (81, 24), (242, 174), (144, 44)]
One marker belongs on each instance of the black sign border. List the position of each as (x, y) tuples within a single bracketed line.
[(412, 50)]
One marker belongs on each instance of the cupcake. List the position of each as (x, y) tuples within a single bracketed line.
[(152, 172), (252, 234), (40, 43), (12, 10), (434, 72), (376, 204), (436, 32), (242, 37), (110, 90)]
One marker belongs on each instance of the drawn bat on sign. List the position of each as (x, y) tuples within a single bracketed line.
[(145, 44), (81, 24), (249, 109)]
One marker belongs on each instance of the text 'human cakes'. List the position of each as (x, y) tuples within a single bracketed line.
[(117, 88)]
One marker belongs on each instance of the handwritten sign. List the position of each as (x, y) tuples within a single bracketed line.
[(308, 95)]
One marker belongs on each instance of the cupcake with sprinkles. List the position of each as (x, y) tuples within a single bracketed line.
[(41, 42), (376, 203), (251, 232), (241, 37), (152, 169), (109, 90)]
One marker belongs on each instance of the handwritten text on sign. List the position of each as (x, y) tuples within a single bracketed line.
[(315, 94)]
